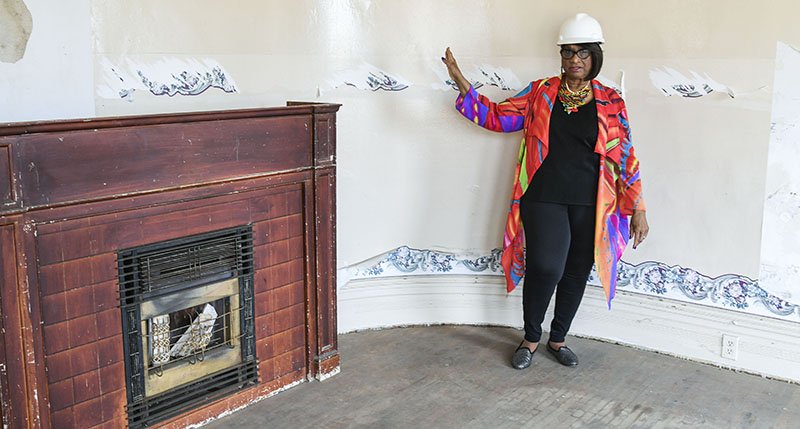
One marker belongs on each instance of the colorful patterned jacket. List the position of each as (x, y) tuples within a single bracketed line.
[(619, 189)]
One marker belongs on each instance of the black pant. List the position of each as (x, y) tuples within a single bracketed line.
[(559, 251)]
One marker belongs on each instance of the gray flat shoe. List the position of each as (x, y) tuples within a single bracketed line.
[(563, 355), (522, 358)]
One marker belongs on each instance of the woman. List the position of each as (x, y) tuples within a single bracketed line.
[(576, 184)]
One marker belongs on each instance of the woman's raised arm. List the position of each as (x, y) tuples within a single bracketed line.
[(455, 73), (505, 117)]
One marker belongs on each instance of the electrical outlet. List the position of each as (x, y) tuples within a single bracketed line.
[(730, 347)]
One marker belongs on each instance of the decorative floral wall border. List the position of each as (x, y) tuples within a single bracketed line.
[(369, 78), (190, 82), (382, 80), (166, 76), (672, 82), (479, 76), (729, 291)]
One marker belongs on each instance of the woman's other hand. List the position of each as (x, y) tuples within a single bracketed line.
[(455, 73), (639, 227)]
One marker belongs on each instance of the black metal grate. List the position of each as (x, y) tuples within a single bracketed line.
[(169, 268), (159, 269), (142, 414), (149, 411)]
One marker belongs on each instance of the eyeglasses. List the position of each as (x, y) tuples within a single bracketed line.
[(568, 53)]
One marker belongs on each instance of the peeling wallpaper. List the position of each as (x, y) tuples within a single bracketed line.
[(368, 77), (673, 82), (780, 242), (16, 25), (167, 76), (479, 76)]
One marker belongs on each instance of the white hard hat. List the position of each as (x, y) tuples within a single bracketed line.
[(581, 28)]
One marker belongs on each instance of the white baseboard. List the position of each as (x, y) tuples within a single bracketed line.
[(767, 346)]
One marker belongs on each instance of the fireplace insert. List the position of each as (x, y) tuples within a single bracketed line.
[(188, 322)]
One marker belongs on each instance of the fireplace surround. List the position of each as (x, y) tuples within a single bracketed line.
[(102, 328)]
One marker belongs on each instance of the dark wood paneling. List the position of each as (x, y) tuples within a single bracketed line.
[(93, 164), (279, 228), (282, 353), (280, 275), (63, 419), (62, 395), (321, 195), (325, 140), (329, 364), (277, 253), (32, 328), (267, 285), (310, 276), (7, 194), (286, 296), (325, 204), (8, 275), (273, 321), (281, 343), (293, 109), (112, 377), (112, 407), (13, 387), (77, 273), (107, 233), (77, 216), (88, 413)]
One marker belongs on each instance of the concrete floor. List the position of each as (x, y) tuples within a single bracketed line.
[(459, 377)]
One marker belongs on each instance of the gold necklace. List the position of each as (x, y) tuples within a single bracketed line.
[(572, 100)]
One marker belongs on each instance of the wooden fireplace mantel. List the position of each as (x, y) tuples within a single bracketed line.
[(73, 193)]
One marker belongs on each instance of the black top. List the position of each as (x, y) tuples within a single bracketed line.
[(570, 171)]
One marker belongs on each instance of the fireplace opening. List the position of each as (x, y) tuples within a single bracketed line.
[(188, 329)]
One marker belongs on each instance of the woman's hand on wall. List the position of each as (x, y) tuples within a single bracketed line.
[(455, 73), (639, 227)]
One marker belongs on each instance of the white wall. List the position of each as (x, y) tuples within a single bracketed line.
[(780, 257), (411, 171), (54, 78)]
